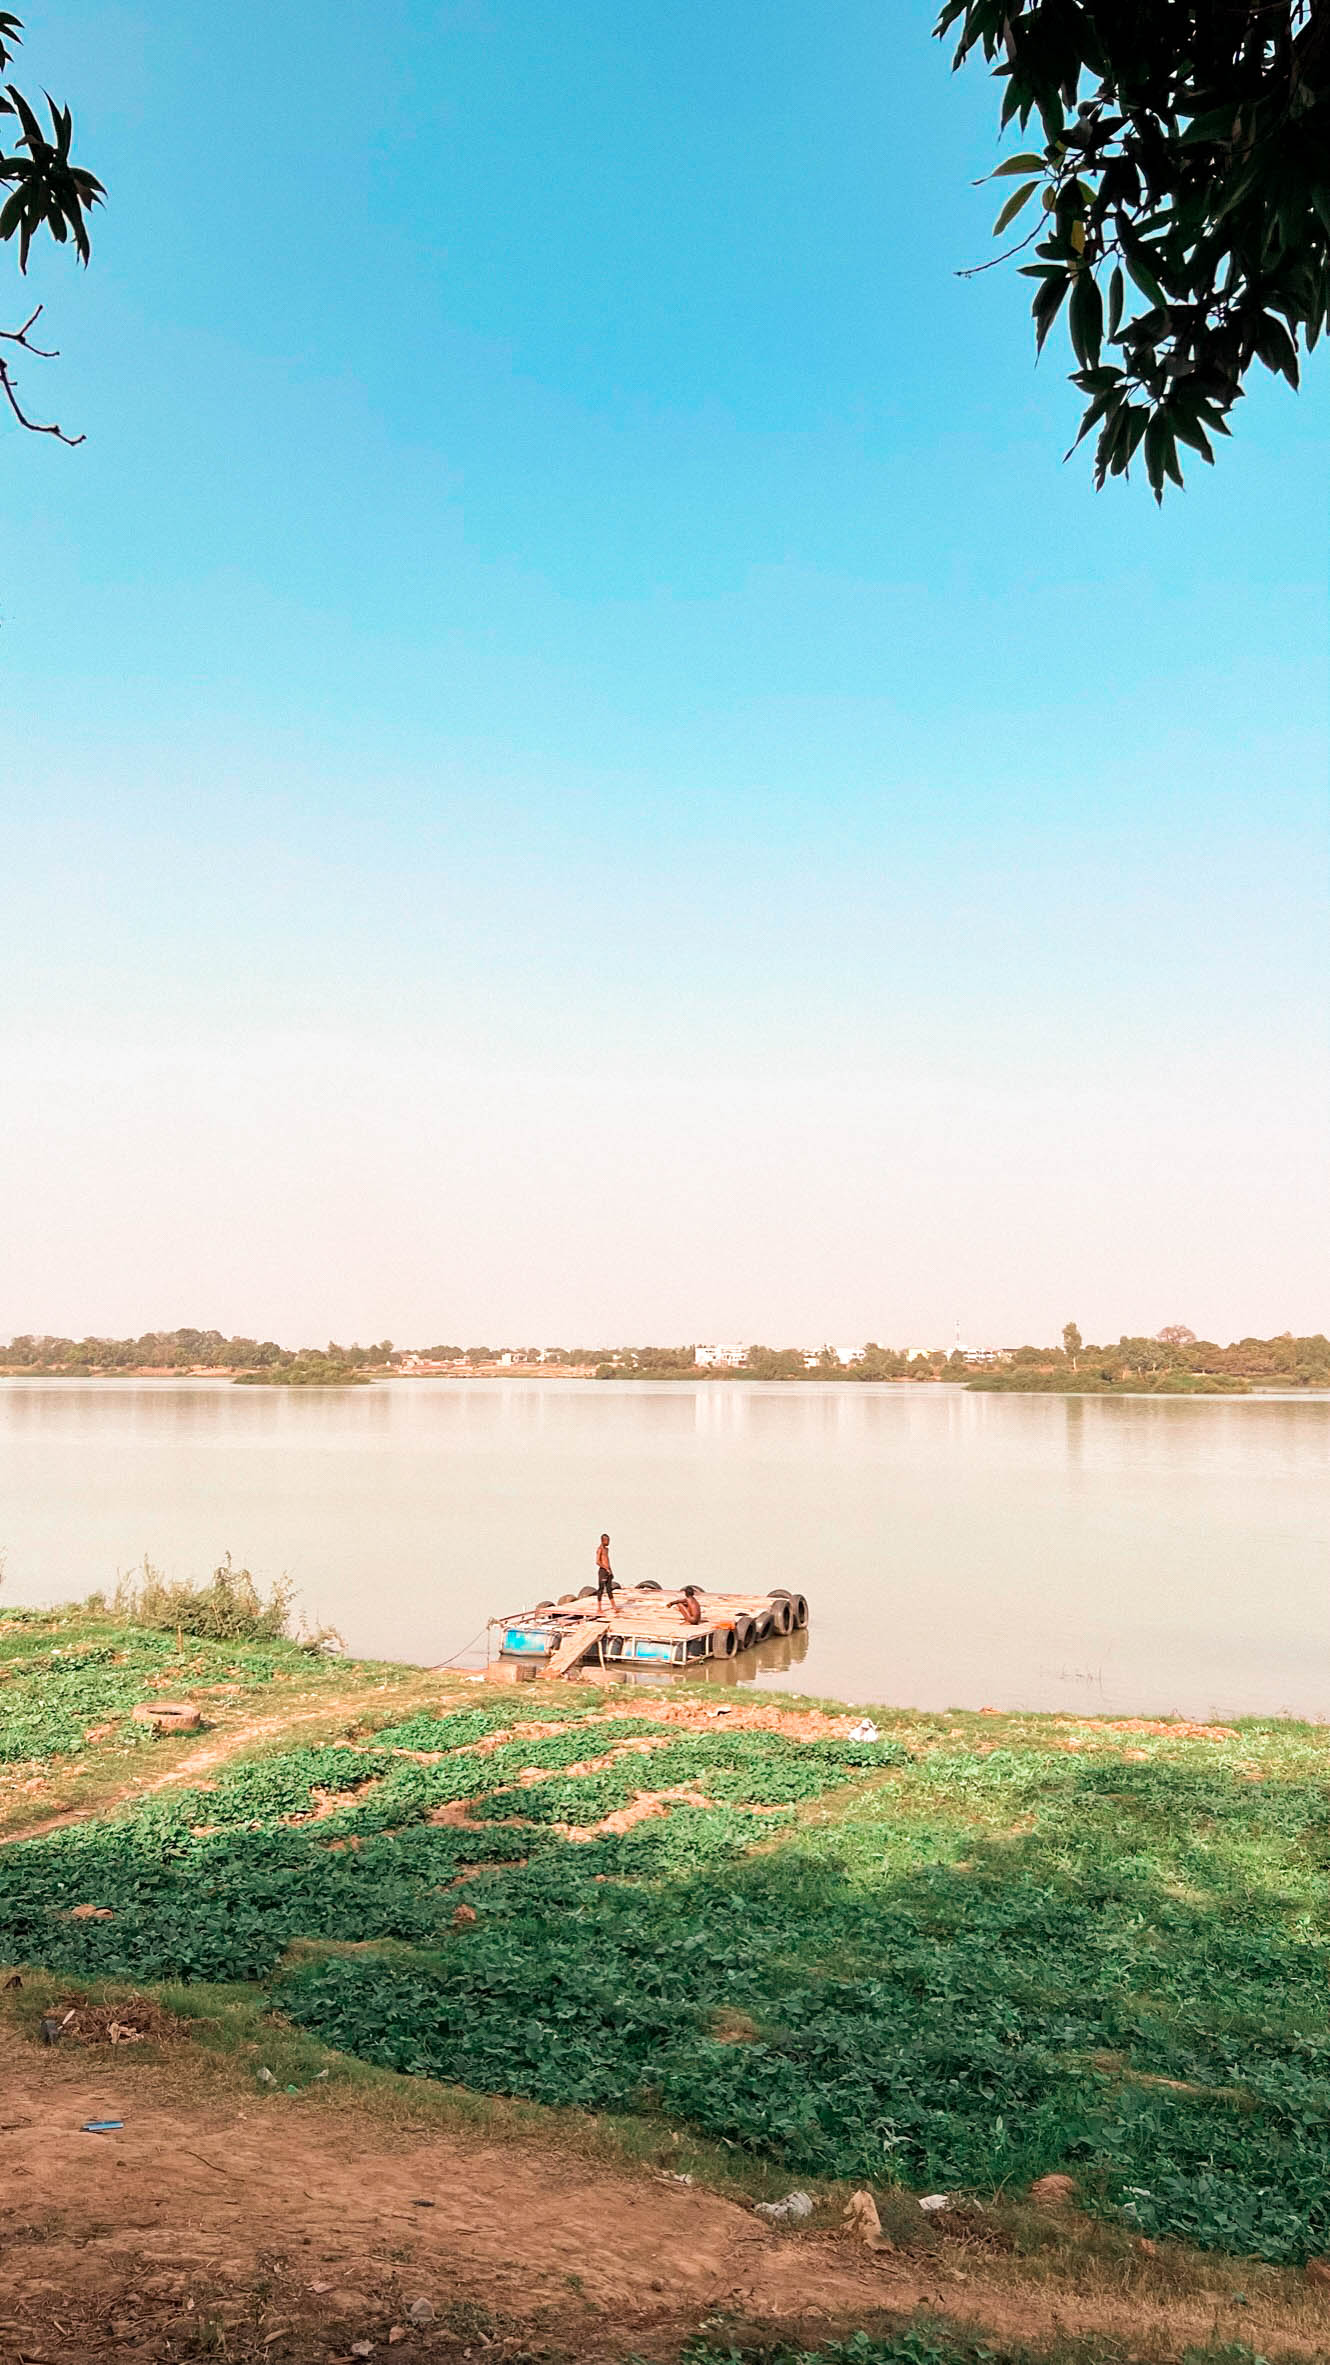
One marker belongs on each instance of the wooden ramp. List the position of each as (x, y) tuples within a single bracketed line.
[(577, 1645)]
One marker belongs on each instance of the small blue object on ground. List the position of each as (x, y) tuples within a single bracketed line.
[(101, 2126)]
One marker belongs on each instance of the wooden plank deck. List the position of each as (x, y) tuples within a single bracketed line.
[(641, 1615)]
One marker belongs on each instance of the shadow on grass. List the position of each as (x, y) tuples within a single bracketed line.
[(961, 1977)]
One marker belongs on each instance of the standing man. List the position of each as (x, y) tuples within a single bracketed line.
[(605, 1577)]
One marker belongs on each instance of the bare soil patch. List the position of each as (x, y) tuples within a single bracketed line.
[(641, 1808), (294, 2227)]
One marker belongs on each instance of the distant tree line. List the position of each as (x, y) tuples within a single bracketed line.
[(177, 1350), (782, 1363), (1174, 1361)]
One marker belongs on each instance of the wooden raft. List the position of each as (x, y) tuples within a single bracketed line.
[(585, 1627)]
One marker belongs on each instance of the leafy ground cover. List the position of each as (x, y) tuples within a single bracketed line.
[(954, 1960), (943, 2345), (53, 1691), (70, 1679)]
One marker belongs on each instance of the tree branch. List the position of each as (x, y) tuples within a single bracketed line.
[(21, 338), (974, 269)]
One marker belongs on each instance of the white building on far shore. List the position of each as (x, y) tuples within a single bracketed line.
[(731, 1358)]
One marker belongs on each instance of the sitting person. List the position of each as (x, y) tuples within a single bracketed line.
[(688, 1606)]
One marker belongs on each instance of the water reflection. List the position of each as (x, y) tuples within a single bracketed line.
[(777, 1656)]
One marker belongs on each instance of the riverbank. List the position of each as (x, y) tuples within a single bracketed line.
[(676, 1939)]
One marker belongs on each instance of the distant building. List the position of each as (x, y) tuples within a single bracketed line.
[(721, 1358)]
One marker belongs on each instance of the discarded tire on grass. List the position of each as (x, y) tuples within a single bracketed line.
[(168, 1716)]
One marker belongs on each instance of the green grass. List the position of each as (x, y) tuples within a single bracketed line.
[(52, 1690), (963, 1964), (938, 2344), (70, 1679)]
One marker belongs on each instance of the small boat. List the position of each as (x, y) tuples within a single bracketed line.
[(643, 1628)]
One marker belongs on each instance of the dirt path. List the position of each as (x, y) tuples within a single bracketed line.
[(297, 2226), (226, 1741), (223, 1742)]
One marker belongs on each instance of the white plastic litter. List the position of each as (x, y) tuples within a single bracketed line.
[(794, 2205), (935, 2201), (865, 1730)]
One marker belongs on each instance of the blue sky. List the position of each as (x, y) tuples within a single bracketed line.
[(578, 761)]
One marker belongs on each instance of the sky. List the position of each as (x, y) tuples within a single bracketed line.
[(578, 766)]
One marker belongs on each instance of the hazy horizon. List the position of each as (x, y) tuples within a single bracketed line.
[(419, 1342)]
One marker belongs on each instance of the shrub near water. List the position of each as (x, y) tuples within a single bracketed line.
[(229, 1608)]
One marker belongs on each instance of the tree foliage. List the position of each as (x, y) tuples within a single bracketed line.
[(47, 192), (1184, 190)]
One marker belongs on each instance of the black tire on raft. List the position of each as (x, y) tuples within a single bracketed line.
[(541, 1606), (745, 1633), (586, 1593), (800, 1608), (648, 1585), (723, 1643), (782, 1613)]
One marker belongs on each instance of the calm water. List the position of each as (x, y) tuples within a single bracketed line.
[(957, 1550)]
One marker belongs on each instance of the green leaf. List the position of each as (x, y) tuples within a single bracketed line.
[(1188, 431), (32, 130), (1275, 347), (1045, 309), (1138, 420), (1014, 164), (1085, 319), (1094, 412), (1221, 123), (1136, 256), (1160, 454), (1018, 198), (1117, 288)]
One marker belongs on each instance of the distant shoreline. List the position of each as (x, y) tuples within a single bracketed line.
[(970, 1383)]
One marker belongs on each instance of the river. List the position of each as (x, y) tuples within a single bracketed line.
[(1123, 1556)]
